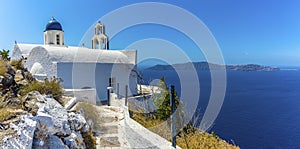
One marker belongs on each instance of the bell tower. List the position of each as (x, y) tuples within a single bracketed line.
[(54, 34), (100, 40)]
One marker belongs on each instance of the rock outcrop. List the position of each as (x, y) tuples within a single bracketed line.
[(25, 133), (50, 125)]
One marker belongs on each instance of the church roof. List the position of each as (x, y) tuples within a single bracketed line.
[(73, 54), (53, 24)]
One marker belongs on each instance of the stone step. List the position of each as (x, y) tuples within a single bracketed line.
[(111, 129), (102, 120), (106, 135), (107, 124), (109, 142), (108, 119)]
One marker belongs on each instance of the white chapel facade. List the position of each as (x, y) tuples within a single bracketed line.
[(80, 67)]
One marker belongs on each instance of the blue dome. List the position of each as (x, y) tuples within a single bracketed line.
[(53, 25)]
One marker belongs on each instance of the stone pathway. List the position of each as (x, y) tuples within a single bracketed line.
[(115, 130), (108, 127)]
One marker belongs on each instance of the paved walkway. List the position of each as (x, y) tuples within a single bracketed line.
[(108, 127), (115, 129)]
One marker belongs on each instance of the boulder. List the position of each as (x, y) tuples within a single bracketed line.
[(30, 102), (11, 71), (51, 126), (8, 80), (48, 112), (2, 79), (25, 130), (56, 115), (75, 141), (77, 121), (70, 104), (53, 141)]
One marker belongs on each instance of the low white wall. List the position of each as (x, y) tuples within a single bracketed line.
[(82, 95)]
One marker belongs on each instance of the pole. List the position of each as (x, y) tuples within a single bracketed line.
[(126, 94), (108, 96), (173, 118), (118, 90)]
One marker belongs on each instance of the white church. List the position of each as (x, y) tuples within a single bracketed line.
[(81, 68)]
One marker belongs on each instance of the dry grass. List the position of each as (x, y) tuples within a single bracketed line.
[(90, 113), (194, 140), (204, 140), (2, 103), (6, 114), (3, 67), (89, 140)]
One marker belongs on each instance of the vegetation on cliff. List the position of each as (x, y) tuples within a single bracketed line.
[(189, 136), (48, 86)]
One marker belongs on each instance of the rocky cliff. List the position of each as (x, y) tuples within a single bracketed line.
[(35, 120)]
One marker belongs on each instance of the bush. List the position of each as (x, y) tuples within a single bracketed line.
[(17, 64), (47, 87), (3, 67), (162, 101), (4, 54)]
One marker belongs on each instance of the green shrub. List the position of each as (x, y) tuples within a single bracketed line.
[(51, 86), (162, 101), (4, 54)]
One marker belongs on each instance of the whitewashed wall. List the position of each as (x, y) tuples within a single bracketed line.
[(96, 75)]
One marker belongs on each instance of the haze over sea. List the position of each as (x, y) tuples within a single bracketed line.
[(260, 110)]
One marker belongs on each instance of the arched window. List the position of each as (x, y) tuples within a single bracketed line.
[(97, 43), (103, 43)]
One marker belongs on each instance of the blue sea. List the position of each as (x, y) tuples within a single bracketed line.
[(260, 109)]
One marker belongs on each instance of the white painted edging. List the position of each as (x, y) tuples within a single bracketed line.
[(155, 139)]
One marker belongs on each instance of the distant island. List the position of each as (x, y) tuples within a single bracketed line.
[(211, 66)]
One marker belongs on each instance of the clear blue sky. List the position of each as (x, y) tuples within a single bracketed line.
[(248, 31)]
